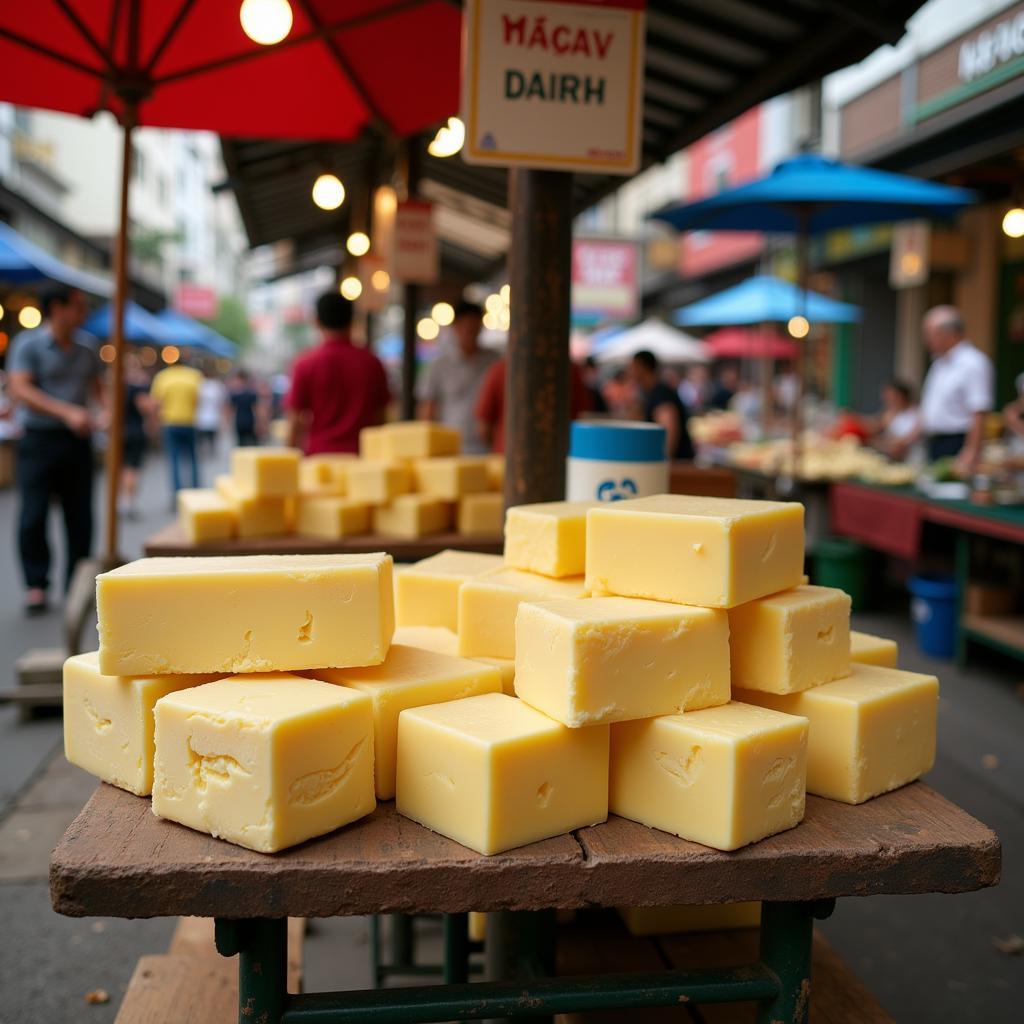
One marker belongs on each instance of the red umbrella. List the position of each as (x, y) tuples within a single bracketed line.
[(341, 65), (742, 343)]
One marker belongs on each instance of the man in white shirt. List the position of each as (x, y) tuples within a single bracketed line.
[(957, 393)]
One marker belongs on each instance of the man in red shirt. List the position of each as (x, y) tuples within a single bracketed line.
[(337, 389)]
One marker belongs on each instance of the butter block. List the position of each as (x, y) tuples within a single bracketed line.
[(481, 515), (792, 640), (331, 517), (488, 606), (710, 552), (427, 592), (204, 515), (873, 650), (378, 483), (507, 668), (371, 444), (324, 474), (410, 677), (613, 659), (256, 517), (418, 440), (492, 773), (264, 761), (412, 515), (450, 477), (108, 720), (724, 777), (871, 732), (266, 472), (549, 537), (713, 917), (430, 638), (495, 472), (244, 613)]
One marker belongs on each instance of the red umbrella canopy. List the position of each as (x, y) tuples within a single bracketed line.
[(743, 343), (344, 64)]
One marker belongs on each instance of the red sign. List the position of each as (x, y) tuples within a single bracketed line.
[(196, 300), (415, 257), (605, 279)]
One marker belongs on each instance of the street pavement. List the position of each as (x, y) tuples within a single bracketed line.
[(933, 959)]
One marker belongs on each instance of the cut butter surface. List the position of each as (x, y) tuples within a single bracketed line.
[(444, 641), (709, 552), (205, 515), (409, 678), (427, 592), (549, 537), (415, 440), (481, 515), (871, 732), (377, 483), (252, 613), (411, 516), (325, 474), (450, 477), (873, 650), (792, 640), (266, 472), (330, 517), (492, 773), (256, 517), (724, 777), (613, 659), (108, 720), (264, 761)]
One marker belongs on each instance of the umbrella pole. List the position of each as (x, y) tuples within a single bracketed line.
[(115, 433), (766, 385)]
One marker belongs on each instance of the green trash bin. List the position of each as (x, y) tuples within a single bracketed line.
[(845, 564)]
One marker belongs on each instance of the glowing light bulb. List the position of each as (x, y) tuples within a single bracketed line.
[(147, 356), (1, 312), (1013, 223), (328, 192), (798, 327), (266, 21), (358, 243), (108, 353), (491, 321), (493, 303), (427, 329), (29, 317), (443, 313), (449, 138), (381, 280), (506, 293), (351, 288), (170, 354)]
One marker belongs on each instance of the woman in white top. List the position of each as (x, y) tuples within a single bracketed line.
[(898, 420), (212, 401)]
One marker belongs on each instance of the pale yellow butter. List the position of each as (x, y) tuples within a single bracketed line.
[(418, 440), (724, 777), (873, 650), (266, 472), (549, 538), (331, 517), (430, 638), (264, 761), (481, 515), (450, 477), (256, 517), (495, 472), (204, 516), (613, 659), (324, 474), (492, 773), (507, 668), (710, 552), (427, 592), (412, 515), (371, 444), (377, 483), (251, 613)]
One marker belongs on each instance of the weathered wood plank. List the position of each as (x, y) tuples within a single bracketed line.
[(180, 989)]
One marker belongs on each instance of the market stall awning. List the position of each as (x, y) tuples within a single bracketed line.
[(193, 334), (668, 344), (23, 262), (140, 326), (750, 343)]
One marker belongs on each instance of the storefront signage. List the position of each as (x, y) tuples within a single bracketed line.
[(991, 48), (554, 85), (196, 300), (414, 257), (605, 280)]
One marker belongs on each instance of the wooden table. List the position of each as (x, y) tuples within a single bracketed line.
[(171, 541), (118, 860)]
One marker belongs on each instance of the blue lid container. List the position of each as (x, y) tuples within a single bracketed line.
[(616, 441)]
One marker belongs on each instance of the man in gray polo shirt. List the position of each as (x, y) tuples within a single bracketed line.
[(54, 372)]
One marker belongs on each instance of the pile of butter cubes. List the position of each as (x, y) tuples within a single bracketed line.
[(408, 481), (662, 659)]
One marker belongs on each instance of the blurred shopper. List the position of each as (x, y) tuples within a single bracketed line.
[(1013, 417), (661, 405), (54, 373), (449, 387), (785, 387), (337, 389), (175, 396), (213, 397), (246, 409), (138, 410), (724, 386), (695, 388), (592, 382), (898, 420)]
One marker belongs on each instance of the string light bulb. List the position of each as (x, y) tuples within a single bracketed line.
[(351, 288), (358, 243), (170, 354), (506, 293), (449, 139), (328, 192), (29, 317), (108, 353), (443, 313), (381, 280), (1013, 222), (266, 21), (427, 329), (798, 327)]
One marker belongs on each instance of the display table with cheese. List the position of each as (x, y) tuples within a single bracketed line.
[(579, 738)]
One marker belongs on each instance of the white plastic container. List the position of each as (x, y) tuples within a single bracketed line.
[(610, 460)]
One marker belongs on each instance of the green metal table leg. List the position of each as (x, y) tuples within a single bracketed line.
[(375, 962), (262, 948), (456, 949), (402, 941)]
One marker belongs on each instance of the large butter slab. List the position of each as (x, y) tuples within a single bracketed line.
[(377, 483), (871, 732), (450, 477), (266, 472), (724, 777), (324, 474), (418, 440), (792, 640), (710, 552), (330, 517), (613, 659), (252, 613), (549, 537), (264, 761), (488, 606), (492, 773), (427, 592), (873, 650), (481, 515), (410, 677), (412, 515), (205, 516), (256, 517), (444, 641), (108, 720)]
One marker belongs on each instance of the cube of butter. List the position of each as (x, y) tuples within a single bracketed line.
[(266, 472), (430, 638), (613, 659), (418, 440), (549, 538), (871, 732), (377, 483), (410, 677), (411, 516), (488, 606), (245, 613), (873, 650), (427, 592), (204, 515), (724, 777), (711, 552), (256, 517), (264, 761), (495, 472), (792, 640), (450, 477), (371, 444), (481, 515), (331, 518), (507, 668), (492, 773), (108, 720), (324, 474)]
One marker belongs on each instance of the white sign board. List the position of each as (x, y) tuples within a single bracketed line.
[(554, 85), (415, 257)]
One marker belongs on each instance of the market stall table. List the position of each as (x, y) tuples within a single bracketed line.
[(118, 860)]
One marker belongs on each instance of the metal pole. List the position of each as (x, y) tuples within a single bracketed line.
[(537, 373), (802, 274)]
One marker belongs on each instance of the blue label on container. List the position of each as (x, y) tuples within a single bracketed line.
[(610, 490), (617, 442)]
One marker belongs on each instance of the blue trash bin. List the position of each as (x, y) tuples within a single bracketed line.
[(933, 607)]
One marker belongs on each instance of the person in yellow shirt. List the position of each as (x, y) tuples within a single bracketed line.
[(175, 393)]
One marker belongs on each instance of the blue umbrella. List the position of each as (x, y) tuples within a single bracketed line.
[(140, 326), (764, 299), (193, 334), (23, 262)]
